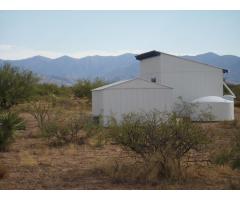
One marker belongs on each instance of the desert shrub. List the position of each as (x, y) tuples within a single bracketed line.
[(9, 123), (60, 131), (56, 133), (57, 127), (46, 89), (184, 109), (83, 87), (97, 132), (75, 124), (222, 158), (40, 110), (231, 156), (160, 140), (15, 85)]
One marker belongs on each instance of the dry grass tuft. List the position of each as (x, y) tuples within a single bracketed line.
[(27, 160)]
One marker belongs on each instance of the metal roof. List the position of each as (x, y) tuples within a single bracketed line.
[(146, 55), (209, 99), (152, 85), (111, 85), (155, 53)]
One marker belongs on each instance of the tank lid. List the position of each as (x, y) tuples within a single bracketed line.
[(211, 99)]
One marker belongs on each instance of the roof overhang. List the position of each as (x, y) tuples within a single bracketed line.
[(225, 71), (146, 55), (155, 53)]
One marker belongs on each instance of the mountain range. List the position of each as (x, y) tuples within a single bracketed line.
[(66, 70)]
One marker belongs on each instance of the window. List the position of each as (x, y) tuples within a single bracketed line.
[(153, 79)]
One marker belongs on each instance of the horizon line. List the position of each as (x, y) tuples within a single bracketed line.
[(72, 57)]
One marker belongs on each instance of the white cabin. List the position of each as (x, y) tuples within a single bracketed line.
[(189, 79), (163, 78), (134, 95)]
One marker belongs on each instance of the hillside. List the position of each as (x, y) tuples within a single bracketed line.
[(65, 69), (230, 62)]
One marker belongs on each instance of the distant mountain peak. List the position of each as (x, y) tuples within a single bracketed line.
[(208, 54), (111, 67), (65, 57)]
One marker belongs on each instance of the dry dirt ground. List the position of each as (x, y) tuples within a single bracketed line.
[(31, 164)]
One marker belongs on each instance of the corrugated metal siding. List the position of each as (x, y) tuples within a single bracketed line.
[(150, 68), (97, 103), (190, 80), (121, 101)]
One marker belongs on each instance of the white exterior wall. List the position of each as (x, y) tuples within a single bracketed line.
[(150, 68), (97, 103), (190, 80), (122, 101), (134, 95)]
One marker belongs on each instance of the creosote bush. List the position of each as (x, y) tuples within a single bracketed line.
[(9, 124), (161, 140)]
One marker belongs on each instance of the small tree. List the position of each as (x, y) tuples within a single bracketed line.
[(40, 110), (9, 123), (83, 87), (161, 141), (15, 85)]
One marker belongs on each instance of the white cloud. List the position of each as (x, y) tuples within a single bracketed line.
[(12, 52)]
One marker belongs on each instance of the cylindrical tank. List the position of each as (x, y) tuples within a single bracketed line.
[(229, 97), (219, 108)]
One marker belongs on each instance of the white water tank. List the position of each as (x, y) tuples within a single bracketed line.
[(220, 108), (229, 97)]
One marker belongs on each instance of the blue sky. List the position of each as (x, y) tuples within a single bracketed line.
[(80, 33)]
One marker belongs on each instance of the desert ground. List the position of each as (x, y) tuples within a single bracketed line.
[(30, 163)]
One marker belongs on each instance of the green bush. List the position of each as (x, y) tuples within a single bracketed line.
[(160, 140), (46, 89), (9, 123), (15, 85), (83, 87)]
